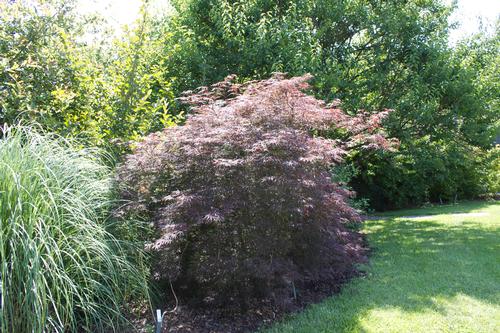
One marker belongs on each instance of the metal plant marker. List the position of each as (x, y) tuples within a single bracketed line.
[(159, 320)]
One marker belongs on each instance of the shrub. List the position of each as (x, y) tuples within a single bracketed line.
[(60, 270), (491, 160), (370, 55), (241, 195), (425, 171), (106, 92)]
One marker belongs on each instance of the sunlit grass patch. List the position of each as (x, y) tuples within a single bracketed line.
[(434, 274)]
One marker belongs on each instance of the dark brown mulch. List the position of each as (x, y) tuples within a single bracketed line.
[(205, 320), (188, 319), (210, 319)]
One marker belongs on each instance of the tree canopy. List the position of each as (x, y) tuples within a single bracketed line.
[(369, 54)]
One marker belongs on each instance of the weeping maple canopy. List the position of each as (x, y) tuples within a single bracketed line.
[(241, 196)]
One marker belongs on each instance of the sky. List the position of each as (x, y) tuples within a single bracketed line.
[(468, 16), (125, 12), (120, 12)]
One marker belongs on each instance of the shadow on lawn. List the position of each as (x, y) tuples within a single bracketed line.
[(426, 259), (413, 263)]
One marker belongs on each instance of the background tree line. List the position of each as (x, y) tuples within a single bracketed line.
[(370, 54)]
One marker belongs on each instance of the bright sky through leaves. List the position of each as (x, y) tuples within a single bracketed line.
[(121, 12), (469, 14)]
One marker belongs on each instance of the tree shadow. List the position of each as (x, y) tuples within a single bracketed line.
[(444, 260), (414, 262)]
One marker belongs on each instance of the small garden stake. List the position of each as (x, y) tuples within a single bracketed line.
[(159, 320), (160, 315)]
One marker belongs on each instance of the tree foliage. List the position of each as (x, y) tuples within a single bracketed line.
[(241, 195), (371, 55), (53, 74)]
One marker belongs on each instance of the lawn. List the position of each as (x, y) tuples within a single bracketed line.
[(431, 270)]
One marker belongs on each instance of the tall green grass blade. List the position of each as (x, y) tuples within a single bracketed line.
[(60, 269)]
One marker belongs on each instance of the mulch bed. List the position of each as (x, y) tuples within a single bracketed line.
[(188, 319), (209, 319)]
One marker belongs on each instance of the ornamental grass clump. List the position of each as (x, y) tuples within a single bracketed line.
[(241, 196), (60, 270)]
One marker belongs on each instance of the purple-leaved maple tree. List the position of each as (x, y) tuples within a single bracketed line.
[(241, 195)]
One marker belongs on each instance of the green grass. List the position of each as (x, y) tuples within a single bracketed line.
[(436, 273), (60, 269)]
